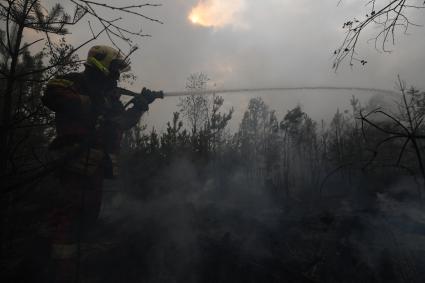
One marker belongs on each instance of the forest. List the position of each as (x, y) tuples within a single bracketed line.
[(285, 199)]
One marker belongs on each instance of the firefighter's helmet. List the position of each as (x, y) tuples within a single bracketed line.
[(107, 60)]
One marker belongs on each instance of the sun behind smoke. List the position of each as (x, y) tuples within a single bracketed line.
[(215, 13)]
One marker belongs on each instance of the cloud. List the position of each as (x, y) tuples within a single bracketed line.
[(217, 13)]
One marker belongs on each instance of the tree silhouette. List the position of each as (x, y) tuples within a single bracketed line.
[(389, 17), (405, 126)]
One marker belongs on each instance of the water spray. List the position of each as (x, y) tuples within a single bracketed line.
[(266, 89)]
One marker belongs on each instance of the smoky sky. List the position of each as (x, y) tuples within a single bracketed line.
[(268, 42), (261, 44)]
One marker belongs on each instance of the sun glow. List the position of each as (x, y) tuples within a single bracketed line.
[(215, 13)]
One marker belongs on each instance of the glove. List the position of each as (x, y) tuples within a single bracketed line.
[(150, 95), (140, 102)]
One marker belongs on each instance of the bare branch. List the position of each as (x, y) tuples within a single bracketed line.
[(388, 18)]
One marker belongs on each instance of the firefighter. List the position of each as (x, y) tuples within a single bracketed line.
[(90, 120)]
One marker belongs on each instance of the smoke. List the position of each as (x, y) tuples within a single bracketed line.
[(216, 13), (199, 221), (194, 220)]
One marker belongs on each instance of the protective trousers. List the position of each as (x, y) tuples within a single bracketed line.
[(76, 209)]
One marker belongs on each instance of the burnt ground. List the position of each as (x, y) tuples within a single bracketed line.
[(216, 240), (201, 234)]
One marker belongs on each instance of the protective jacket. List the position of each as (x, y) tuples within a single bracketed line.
[(88, 113)]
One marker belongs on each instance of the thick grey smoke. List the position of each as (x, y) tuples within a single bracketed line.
[(189, 218), (211, 225)]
